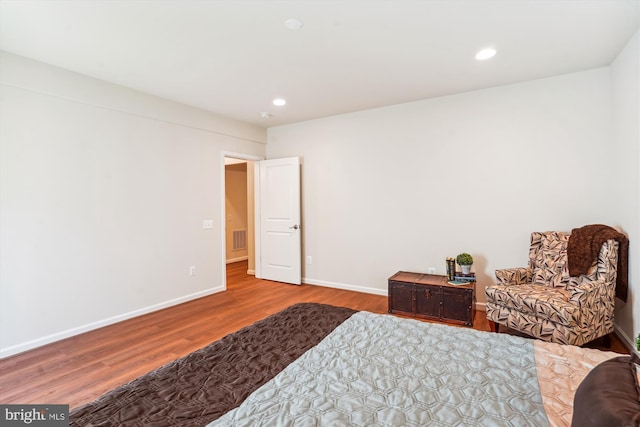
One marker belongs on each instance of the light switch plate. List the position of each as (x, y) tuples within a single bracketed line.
[(207, 224)]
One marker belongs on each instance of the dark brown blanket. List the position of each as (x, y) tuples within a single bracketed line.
[(204, 385), (583, 249)]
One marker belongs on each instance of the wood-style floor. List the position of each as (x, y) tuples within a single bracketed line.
[(77, 370)]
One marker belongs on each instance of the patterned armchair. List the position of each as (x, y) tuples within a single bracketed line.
[(545, 302)]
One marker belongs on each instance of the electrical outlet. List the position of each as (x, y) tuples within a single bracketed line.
[(309, 260), (192, 270), (432, 270)]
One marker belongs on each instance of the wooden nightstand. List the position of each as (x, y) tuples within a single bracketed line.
[(429, 296)]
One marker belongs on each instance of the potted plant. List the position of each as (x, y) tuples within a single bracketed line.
[(465, 260)]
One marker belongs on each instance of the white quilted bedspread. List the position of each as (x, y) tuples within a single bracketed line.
[(378, 370)]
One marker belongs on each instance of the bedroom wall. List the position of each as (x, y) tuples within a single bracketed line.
[(403, 187), (625, 147), (103, 194)]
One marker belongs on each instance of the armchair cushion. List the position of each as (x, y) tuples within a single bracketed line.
[(549, 259), (542, 302)]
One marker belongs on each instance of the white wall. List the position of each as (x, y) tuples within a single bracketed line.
[(625, 147), (103, 189), (103, 193), (404, 187)]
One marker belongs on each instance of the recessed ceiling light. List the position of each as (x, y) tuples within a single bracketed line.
[(293, 24), (485, 54), (279, 102)]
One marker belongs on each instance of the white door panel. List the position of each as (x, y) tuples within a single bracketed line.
[(280, 235)]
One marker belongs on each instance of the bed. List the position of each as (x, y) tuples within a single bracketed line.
[(316, 365)]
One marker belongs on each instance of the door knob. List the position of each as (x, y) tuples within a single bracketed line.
[(294, 226)]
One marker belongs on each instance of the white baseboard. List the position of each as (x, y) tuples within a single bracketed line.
[(356, 288), (29, 345), (629, 342), (232, 260)]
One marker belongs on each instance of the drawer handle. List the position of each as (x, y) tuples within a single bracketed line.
[(427, 293)]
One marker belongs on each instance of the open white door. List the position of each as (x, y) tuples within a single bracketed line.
[(279, 220)]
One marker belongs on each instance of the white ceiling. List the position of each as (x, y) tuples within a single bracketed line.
[(234, 57)]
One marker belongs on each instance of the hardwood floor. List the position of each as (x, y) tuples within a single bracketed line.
[(77, 370)]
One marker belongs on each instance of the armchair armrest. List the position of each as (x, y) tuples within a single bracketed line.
[(514, 276), (583, 287), (593, 297)]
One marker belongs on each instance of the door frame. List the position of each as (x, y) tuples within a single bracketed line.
[(223, 216)]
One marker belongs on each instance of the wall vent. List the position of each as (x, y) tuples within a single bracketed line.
[(239, 240)]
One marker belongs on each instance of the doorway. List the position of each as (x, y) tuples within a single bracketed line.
[(239, 241), (248, 257), (278, 183)]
